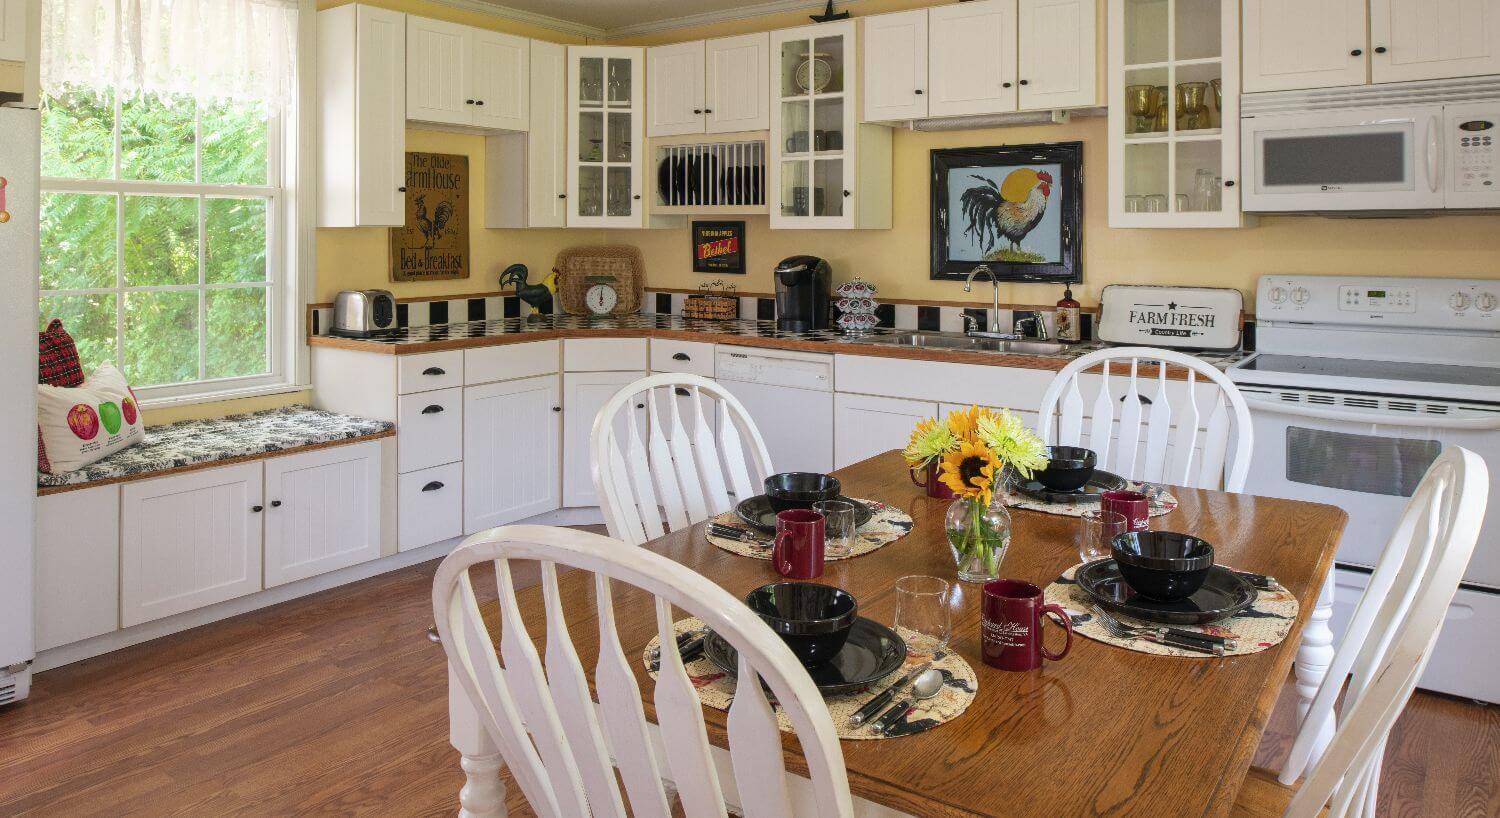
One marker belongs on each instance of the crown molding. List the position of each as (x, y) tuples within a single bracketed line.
[(710, 17), (530, 17)]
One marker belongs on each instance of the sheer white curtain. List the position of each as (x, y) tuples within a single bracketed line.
[(243, 50)]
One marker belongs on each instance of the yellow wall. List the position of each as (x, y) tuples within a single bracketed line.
[(12, 76)]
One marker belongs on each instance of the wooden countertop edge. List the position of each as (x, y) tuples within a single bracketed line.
[(1041, 362), (43, 491)]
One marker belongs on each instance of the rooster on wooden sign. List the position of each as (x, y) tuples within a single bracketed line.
[(1009, 210)]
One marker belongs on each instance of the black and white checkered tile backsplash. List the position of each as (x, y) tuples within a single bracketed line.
[(446, 311)]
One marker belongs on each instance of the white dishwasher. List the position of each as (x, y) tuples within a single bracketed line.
[(789, 395)]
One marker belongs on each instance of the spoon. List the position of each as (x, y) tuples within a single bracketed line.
[(925, 686)]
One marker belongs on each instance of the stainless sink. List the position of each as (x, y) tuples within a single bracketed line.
[(929, 340)]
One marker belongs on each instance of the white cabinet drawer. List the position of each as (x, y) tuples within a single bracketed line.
[(689, 357), (431, 505), (604, 354), (428, 371), (429, 429), (1013, 388), (508, 362)]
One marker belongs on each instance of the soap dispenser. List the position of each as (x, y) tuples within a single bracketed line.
[(1065, 319)]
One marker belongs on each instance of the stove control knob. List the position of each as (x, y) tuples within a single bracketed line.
[(1459, 301), (1487, 302), (1277, 295), (1300, 295)]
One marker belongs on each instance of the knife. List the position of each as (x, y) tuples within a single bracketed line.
[(1198, 636), (1185, 644), (873, 706), (1260, 581), (738, 534)]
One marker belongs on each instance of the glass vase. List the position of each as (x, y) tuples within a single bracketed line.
[(978, 536)]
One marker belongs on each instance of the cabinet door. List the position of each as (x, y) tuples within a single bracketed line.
[(674, 89), (322, 511), (584, 394), (77, 565), (189, 540), (380, 133), (1058, 45), (738, 84), (13, 30), (547, 139), (605, 136), (973, 71), (501, 80), (895, 48), (437, 71), (864, 426), (1304, 44), (1433, 39), (813, 127), (511, 451)]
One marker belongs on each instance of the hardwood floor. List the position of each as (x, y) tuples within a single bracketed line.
[(336, 704)]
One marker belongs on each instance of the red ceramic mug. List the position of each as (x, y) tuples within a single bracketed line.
[(935, 487), (1136, 507), (1011, 637), (798, 550)]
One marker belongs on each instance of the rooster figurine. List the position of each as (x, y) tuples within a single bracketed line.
[(538, 296), (1009, 210)]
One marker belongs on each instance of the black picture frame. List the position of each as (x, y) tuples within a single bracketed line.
[(707, 233), (1064, 195)]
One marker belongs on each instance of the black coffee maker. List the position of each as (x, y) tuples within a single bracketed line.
[(802, 300)]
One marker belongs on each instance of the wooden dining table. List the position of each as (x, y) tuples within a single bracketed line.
[(1104, 731)]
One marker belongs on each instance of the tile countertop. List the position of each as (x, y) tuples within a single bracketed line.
[(764, 334)]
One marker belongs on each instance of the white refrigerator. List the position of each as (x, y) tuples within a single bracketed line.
[(20, 166)]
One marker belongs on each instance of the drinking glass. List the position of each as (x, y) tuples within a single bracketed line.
[(1098, 528), (1184, 204), (1163, 110), (1205, 191), (838, 526), (1192, 106), (1140, 103), (1135, 203), (922, 617), (1156, 203)]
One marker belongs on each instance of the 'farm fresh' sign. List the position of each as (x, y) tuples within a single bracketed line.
[(1182, 317)]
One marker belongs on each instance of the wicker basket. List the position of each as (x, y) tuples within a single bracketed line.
[(710, 307), (576, 265)]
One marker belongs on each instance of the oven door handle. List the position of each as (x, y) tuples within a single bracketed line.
[(1378, 418)]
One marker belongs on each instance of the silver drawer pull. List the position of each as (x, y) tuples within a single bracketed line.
[(433, 486), (434, 370), (681, 356), (432, 410)]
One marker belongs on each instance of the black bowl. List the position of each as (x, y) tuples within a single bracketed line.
[(1162, 565), (1068, 468), (812, 619), (800, 489)]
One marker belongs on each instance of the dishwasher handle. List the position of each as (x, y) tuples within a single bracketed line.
[(1480, 424)]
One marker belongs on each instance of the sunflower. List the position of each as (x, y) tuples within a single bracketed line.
[(970, 471), (962, 422), (929, 441)]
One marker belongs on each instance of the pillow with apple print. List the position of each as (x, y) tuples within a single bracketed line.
[(82, 424)]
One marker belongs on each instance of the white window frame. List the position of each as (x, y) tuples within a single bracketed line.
[(290, 245)]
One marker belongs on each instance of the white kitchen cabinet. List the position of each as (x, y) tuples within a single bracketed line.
[(896, 65), (431, 505), (13, 30), (737, 85), (512, 457), (189, 540), (431, 428), (1433, 39), (77, 565), (1058, 47), (1292, 44), (500, 70), (604, 354), (972, 58), (865, 425), (1171, 168), (674, 89), (687, 357), (526, 174), (321, 511), (461, 75), (605, 136), (584, 394), (826, 171), (361, 109)]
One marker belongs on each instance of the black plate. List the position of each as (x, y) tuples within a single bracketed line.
[(1102, 481), (872, 653), (1224, 594), (756, 512)]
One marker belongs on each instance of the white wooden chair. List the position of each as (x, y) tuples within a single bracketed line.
[(1116, 436), (557, 740), (677, 470), (1389, 640)]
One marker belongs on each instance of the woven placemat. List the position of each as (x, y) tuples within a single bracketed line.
[(960, 686), (1164, 503), (1263, 625), (887, 525)]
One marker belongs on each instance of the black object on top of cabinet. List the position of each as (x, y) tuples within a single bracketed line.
[(802, 294)]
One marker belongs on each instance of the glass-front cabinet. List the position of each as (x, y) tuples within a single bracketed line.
[(1174, 89), (605, 136), (820, 157)]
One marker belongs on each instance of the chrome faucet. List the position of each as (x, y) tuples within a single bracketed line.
[(993, 331), (1036, 323)]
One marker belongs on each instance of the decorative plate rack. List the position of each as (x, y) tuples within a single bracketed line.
[(726, 178)]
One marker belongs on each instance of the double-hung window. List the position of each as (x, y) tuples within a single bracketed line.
[(169, 241)]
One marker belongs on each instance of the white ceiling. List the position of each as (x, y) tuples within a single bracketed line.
[(636, 16)]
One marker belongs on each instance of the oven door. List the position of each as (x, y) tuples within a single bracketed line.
[(1366, 455), (1362, 159)]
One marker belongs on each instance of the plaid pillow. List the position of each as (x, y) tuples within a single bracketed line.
[(58, 366)]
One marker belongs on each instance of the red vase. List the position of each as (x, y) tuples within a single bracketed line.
[(935, 488)]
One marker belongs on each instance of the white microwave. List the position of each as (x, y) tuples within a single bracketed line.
[(1407, 157)]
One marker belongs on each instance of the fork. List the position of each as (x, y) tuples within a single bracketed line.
[(1164, 630), (1120, 630)]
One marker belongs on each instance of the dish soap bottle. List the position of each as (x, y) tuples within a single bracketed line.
[(1066, 318)]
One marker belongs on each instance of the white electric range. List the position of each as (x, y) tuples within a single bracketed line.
[(1356, 386)]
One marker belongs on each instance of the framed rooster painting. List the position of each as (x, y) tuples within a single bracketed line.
[(1017, 209)]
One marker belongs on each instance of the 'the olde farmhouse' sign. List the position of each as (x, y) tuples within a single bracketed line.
[(434, 244), (1178, 317)]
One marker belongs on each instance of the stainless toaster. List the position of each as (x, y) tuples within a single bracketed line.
[(363, 313)]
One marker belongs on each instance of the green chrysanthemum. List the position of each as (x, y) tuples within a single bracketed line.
[(929, 441), (1012, 442)]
